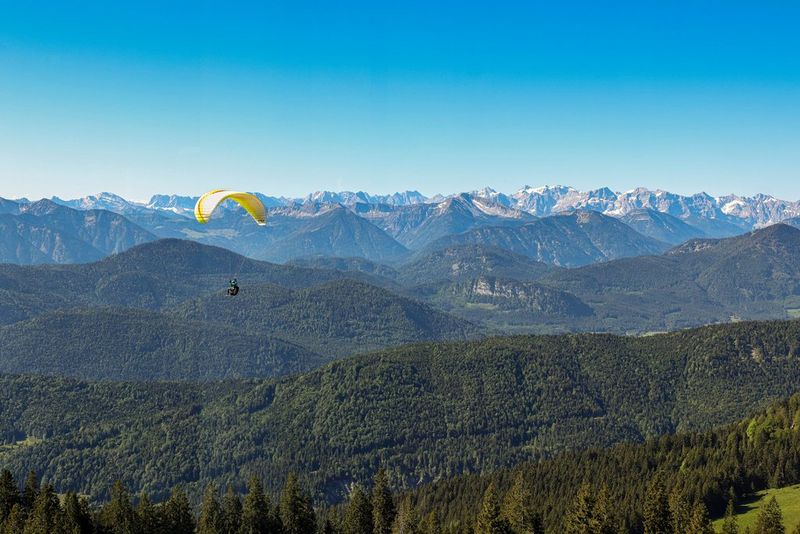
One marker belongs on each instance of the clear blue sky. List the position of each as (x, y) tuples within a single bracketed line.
[(290, 97)]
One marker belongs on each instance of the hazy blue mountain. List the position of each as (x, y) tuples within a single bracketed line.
[(101, 201), (794, 221), (574, 239), (418, 225), (8, 206), (338, 232), (45, 232), (661, 226)]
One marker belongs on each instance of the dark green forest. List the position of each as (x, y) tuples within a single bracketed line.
[(425, 412), (336, 318), (670, 484)]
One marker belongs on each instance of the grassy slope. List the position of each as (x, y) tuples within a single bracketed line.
[(788, 499)]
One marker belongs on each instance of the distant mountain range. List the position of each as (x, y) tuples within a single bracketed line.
[(570, 239), (45, 232), (391, 228), (742, 212)]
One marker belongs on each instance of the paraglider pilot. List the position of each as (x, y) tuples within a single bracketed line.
[(233, 290)]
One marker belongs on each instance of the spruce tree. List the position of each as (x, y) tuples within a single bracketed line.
[(730, 525), (177, 517), (231, 511), (358, 513), (295, 510), (432, 525), (118, 515), (657, 518), (679, 509), (517, 508), (210, 520), (31, 490), (328, 527), (77, 517), (256, 510), (602, 520), (699, 523), (15, 522), (578, 519), (383, 511), (147, 516), (490, 520), (9, 494), (45, 516), (406, 520), (770, 519)]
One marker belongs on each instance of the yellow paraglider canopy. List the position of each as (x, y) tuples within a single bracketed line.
[(208, 203)]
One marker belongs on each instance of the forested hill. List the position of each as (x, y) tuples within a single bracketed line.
[(666, 485), (425, 411), (152, 276), (642, 485), (124, 344), (337, 318), (266, 331), (755, 276)]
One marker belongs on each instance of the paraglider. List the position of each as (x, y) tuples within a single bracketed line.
[(209, 202), (233, 288)]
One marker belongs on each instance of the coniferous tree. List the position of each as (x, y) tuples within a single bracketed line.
[(680, 511), (31, 490), (15, 522), (490, 520), (177, 515), (147, 516), (77, 517), (9, 494), (45, 516), (295, 510), (256, 510), (578, 519), (358, 513), (383, 511), (770, 519), (328, 527), (231, 511), (730, 525), (406, 520), (431, 524), (699, 523), (602, 520), (210, 520), (656, 509), (118, 515), (518, 511)]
